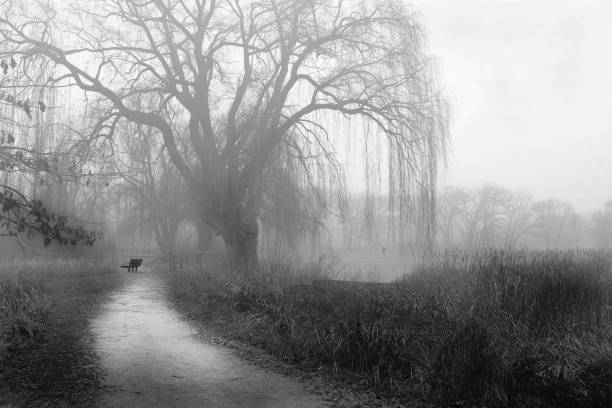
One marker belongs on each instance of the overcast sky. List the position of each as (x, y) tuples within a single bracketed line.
[(530, 83)]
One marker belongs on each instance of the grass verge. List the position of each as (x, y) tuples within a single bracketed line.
[(47, 356), (485, 329)]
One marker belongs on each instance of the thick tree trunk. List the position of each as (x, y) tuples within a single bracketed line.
[(165, 235), (241, 246), (205, 235), (171, 240)]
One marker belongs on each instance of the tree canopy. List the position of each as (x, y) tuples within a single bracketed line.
[(244, 94)]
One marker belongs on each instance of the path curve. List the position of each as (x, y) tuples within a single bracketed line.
[(151, 358)]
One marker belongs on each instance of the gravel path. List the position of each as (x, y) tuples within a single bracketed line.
[(152, 358)]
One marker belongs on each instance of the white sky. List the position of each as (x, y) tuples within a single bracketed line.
[(530, 84)]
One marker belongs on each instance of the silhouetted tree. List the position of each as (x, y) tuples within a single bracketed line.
[(518, 217), (488, 216), (555, 224), (254, 83), (602, 225)]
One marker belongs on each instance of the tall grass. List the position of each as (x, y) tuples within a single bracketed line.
[(23, 311), (542, 289), (25, 288), (489, 328), (46, 353), (530, 324)]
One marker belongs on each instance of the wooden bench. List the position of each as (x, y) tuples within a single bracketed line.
[(133, 265)]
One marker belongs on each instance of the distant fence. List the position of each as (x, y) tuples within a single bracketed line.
[(128, 253), (183, 261)]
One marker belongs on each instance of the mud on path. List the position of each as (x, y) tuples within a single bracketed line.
[(151, 358)]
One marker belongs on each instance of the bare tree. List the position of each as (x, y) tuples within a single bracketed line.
[(250, 82), (602, 225), (30, 160), (453, 204), (555, 224), (484, 217), (491, 211), (158, 190), (518, 219), (479, 212)]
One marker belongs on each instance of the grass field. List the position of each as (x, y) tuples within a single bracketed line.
[(46, 352), (484, 329)]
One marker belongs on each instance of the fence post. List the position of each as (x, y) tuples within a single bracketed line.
[(180, 261)]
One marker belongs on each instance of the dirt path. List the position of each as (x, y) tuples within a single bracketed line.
[(151, 358)]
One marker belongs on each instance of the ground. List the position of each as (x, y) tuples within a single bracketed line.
[(152, 357), (114, 340)]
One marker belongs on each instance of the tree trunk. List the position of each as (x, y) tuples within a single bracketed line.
[(241, 246), (171, 240), (165, 235), (205, 235)]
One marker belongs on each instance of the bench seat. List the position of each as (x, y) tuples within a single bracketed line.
[(133, 265)]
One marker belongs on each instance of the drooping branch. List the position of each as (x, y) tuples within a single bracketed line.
[(246, 82)]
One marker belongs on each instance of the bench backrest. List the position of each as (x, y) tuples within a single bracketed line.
[(135, 262)]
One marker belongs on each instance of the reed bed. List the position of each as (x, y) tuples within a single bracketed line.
[(487, 329)]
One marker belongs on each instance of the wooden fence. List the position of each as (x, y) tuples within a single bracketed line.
[(183, 261), (129, 253)]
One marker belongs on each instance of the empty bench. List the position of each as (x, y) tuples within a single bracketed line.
[(133, 265)]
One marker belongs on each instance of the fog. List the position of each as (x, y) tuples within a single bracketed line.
[(305, 203), (498, 102), (531, 94)]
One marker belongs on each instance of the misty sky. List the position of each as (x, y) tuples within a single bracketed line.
[(530, 84)]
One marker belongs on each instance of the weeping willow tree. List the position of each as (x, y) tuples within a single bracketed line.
[(261, 88), (30, 156), (159, 198)]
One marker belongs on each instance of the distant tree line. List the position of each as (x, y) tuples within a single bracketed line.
[(493, 216), (480, 217)]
